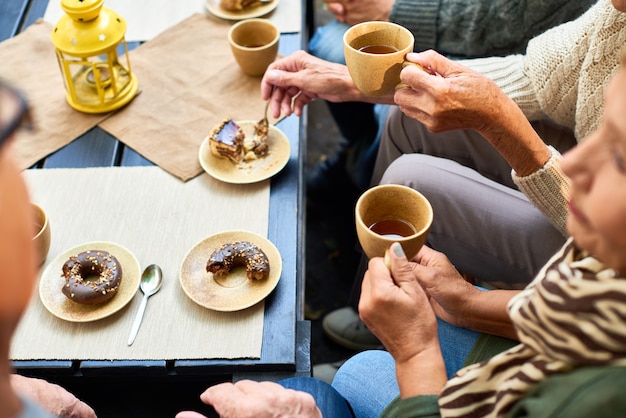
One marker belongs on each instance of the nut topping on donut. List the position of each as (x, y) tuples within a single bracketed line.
[(91, 277), (239, 253)]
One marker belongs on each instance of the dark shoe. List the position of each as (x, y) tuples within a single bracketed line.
[(326, 371), (326, 176), (344, 327)]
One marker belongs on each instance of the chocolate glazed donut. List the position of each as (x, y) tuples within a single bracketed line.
[(91, 277), (239, 253)]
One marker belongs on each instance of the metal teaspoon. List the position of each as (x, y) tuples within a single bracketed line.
[(151, 280)]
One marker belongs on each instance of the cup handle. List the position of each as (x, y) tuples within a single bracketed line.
[(404, 65), (387, 258)]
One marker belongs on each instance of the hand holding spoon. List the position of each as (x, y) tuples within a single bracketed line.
[(151, 280)]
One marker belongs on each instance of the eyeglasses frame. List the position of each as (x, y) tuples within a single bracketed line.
[(22, 117)]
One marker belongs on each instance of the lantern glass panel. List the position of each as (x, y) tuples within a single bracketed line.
[(97, 79)]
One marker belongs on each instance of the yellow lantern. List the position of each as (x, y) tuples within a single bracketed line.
[(87, 39)]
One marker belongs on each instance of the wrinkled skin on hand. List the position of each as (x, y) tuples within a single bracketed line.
[(449, 293), (396, 308), (446, 294), (358, 11), (293, 81), (449, 95), (249, 399), (401, 310), (302, 77), (51, 397)]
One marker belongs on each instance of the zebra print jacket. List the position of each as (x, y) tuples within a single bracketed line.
[(571, 317)]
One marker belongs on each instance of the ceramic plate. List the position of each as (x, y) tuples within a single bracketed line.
[(233, 291), (59, 305), (251, 171), (213, 6)]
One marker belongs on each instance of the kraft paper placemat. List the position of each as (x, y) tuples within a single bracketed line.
[(146, 19), (189, 82), (158, 218), (29, 63)]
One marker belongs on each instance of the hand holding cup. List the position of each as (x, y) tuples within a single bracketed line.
[(392, 213), (375, 53)]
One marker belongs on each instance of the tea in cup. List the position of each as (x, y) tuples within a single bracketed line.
[(254, 44), (391, 213), (41, 234), (375, 52)]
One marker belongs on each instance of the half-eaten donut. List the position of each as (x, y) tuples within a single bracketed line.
[(239, 253)]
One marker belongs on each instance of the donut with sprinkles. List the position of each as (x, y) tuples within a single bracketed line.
[(91, 277), (239, 253)]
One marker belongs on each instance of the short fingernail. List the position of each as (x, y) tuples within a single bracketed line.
[(397, 249)]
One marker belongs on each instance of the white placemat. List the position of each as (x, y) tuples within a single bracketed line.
[(158, 218)]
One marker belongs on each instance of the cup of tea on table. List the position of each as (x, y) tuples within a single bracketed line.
[(254, 44), (391, 213), (375, 52), (41, 233)]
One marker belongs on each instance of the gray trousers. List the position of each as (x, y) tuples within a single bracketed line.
[(482, 222)]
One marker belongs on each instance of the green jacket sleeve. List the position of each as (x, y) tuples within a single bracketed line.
[(479, 28), (485, 347), (416, 407), (596, 392)]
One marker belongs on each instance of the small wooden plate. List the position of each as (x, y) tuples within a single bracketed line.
[(253, 171), (234, 291), (59, 305), (213, 6)]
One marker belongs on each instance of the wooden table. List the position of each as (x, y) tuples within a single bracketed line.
[(168, 386)]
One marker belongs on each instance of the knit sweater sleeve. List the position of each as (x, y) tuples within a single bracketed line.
[(480, 28), (548, 190), (508, 73)]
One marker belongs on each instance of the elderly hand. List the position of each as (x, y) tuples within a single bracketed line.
[(295, 80), (247, 398), (357, 11), (449, 95), (458, 302), (53, 398), (395, 308), (450, 295)]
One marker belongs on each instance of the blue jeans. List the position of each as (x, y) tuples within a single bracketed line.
[(360, 124), (328, 400), (368, 382), (327, 42)]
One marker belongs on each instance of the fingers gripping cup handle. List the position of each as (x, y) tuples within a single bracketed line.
[(405, 64)]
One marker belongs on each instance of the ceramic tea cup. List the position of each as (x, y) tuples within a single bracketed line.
[(41, 236), (391, 213), (375, 52), (254, 43)]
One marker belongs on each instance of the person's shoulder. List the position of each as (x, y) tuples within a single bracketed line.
[(584, 392)]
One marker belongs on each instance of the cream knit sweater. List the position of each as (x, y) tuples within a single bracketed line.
[(562, 77)]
